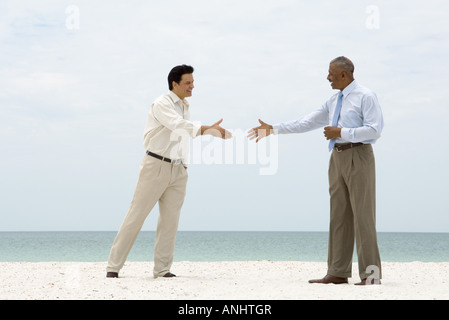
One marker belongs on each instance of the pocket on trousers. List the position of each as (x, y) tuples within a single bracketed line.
[(152, 166), (365, 154)]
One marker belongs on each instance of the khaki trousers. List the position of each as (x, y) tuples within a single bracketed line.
[(352, 188), (159, 181)]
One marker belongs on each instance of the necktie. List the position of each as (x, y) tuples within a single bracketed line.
[(335, 119)]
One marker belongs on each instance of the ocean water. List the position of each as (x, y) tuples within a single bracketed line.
[(214, 246)]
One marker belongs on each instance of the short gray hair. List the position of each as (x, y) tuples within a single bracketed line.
[(344, 63)]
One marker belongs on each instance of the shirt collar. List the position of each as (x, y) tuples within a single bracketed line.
[(175, 98), (349, 88)]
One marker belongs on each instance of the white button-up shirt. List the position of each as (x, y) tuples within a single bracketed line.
[(169, 128), (360, 119)]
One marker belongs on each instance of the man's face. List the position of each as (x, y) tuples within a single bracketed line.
[(184, 88), (336, 77)]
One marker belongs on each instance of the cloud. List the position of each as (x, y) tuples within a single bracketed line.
[(78, 98), (42, 82)]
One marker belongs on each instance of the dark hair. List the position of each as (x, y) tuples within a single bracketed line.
[(344, 63), (176, 74)]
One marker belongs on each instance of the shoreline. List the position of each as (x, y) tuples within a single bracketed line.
[(224, 280)]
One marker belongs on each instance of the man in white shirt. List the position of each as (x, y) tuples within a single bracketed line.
[(163, 173), (350, 132)]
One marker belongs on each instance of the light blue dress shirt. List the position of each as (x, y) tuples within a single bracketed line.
[(360, 120)]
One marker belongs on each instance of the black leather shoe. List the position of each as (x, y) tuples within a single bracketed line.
[(112, 275), (169, 275), (330, 279)]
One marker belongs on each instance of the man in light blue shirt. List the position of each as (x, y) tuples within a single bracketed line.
[(352, 121), (360, 118)]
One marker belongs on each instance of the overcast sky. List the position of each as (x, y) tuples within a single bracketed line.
[(77, 79)]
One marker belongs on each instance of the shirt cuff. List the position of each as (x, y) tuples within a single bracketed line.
[(196, 129), (345, 135), (276, 128)]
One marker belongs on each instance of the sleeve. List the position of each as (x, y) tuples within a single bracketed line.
[(170, 119), (312, 121), (372, 124)]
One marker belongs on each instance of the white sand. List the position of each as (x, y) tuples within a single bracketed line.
[(252, 280)]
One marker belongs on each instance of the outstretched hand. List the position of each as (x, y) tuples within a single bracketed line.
[(216, 130), (262, 131)]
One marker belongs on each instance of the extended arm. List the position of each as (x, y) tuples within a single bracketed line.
[(262, 131), (216, 130)]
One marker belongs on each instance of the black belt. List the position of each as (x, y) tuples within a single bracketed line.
[(158, 156), (178, 161), (346, 146)]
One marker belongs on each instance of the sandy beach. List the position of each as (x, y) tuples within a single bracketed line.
[(227, 280)]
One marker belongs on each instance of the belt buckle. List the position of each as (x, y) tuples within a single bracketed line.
[(176, 161), (338, 148)]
